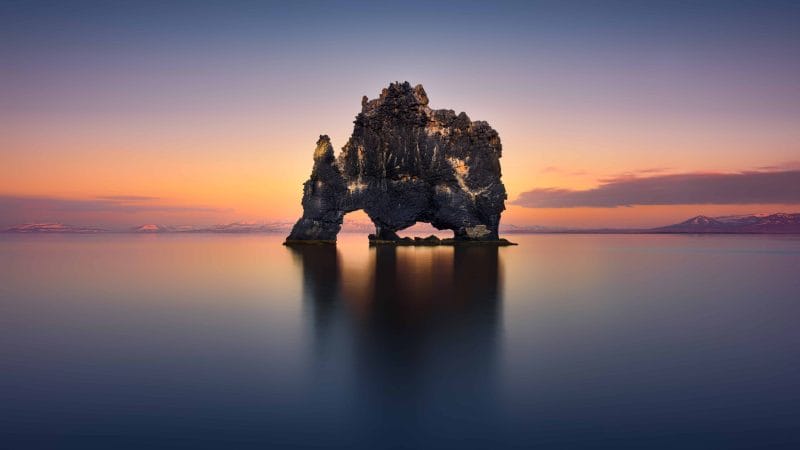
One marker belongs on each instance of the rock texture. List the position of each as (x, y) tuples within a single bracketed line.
[(406, 163)]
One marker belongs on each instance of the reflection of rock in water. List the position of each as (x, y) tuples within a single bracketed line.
[(419, 340), (320, 265)]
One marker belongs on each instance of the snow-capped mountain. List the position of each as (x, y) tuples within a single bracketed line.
[(236, 227), (152, 228), (52, 228), (524, 229), (246, 227), (752, 223)]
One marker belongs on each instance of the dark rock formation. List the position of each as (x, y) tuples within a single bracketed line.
[(406, 163)]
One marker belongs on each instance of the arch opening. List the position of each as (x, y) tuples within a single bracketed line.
[(357, 222)]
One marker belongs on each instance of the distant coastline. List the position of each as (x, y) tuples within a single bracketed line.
[(778, 223)]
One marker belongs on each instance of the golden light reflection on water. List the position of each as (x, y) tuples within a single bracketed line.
[(394, 314), (416, 283)]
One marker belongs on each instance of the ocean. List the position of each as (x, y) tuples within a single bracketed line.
[(117, 341)]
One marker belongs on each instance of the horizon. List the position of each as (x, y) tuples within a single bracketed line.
[(350, 225), (621, 116)]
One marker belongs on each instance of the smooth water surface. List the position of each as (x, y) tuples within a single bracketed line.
[(235, 341)]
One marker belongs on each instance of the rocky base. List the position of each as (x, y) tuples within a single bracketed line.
[(433, 241), (291, 242)]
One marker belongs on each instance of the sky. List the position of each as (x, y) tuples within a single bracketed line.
[(611, 113)]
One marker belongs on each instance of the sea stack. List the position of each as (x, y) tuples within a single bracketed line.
[(406, 163)]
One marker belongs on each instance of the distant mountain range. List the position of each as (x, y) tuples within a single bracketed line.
[(52, 228), (523, 229), (236, 227), (779, 223), (755, 223)]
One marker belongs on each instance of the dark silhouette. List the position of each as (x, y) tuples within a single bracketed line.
[(406, 163)]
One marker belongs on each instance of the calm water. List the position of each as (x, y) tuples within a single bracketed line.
[(565, 341)]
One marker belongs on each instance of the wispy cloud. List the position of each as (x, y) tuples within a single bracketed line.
[(127, 198), (757, 187), (787, 165)]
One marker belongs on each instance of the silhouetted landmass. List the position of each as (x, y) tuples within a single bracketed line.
[(236, 227), (759, 223), (406, 163), (50, 228), (778, 223)]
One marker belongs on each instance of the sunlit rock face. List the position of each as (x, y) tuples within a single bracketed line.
[(407, 163)]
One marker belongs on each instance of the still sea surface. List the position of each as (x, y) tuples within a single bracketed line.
[(235, 341)]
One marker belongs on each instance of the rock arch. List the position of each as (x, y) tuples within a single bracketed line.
[(406, 163)]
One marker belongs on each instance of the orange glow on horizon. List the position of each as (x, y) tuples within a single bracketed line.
[(243, 170)]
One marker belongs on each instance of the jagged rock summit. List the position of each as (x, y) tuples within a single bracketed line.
[(406, 163)]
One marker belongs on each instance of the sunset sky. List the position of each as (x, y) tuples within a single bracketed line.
[(119, 113)]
